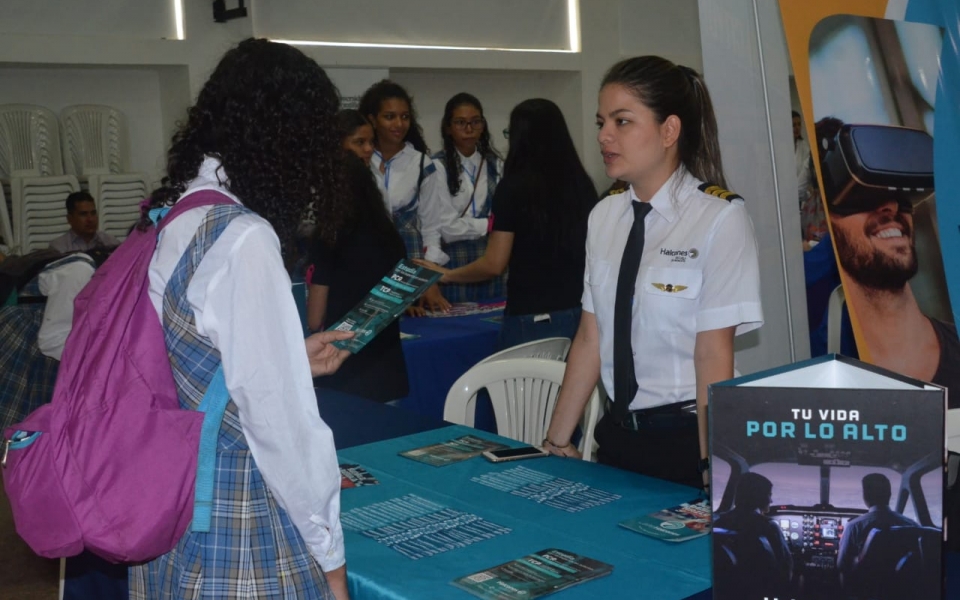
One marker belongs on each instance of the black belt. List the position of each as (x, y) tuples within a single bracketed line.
[(678, 414)]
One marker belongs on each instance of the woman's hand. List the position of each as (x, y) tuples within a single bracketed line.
[(324, 357), (433, 300)]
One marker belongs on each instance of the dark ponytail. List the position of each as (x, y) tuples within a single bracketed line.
[(669, 89)]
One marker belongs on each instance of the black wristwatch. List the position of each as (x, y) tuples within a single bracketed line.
[(704, 465)]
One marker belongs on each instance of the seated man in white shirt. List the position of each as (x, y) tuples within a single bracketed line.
[(84, 225)]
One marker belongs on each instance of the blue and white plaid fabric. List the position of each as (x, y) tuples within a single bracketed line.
[(27, 376), (252, 549), (463, 253), (408, 225)]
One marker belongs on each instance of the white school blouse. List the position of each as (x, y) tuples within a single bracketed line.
[(242, 301), (699, 271), (398, 184), (453, 226)]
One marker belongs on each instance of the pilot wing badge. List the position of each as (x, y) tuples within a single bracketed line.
[(719, 192), (669, 287)]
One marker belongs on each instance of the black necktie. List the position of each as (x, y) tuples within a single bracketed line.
[(624, 376)]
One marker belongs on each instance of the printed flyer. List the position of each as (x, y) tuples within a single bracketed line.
[(675, 524), (451, 451), (533, 576), (384, 303)]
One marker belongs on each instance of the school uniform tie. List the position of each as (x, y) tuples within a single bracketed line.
[(624, 376)]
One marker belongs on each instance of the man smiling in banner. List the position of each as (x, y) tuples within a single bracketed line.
[(873, 175)]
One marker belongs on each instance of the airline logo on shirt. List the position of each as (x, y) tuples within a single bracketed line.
[(680, 256)]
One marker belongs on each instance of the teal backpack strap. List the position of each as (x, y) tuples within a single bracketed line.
[(213, 405)]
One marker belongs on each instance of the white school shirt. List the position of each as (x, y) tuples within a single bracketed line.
[(699, 271), (61, 283), (398, 184), (456, 228), (241, 299)]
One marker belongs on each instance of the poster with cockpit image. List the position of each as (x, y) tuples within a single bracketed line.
[(827, 482)]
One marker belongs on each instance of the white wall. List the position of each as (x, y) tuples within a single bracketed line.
[(751, 98), (758, 155), (498, 91)]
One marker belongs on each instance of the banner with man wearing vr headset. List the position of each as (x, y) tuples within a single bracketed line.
[(879, 85)]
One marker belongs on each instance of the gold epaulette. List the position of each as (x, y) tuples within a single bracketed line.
[(719, 192)]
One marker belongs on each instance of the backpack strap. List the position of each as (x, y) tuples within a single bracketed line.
[(163, 216), (213, 405), (215, 399)]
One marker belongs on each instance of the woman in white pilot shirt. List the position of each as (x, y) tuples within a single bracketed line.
[(468, 170), (698, 280)]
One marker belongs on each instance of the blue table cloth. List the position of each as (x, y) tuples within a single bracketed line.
[(446, 347), (643, 567)]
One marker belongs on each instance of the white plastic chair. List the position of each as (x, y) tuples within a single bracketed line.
[(94, 140), (29, 142), (555, 348), (39, 209), (6, 225), (834, 317), (118, 200), (523, 392)]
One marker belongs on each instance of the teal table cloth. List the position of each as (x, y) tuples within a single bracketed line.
[(504, 511)]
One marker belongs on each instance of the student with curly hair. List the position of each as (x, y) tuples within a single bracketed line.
[(263, 135), (470, 168)]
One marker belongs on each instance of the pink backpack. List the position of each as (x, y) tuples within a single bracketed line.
[(111, 464)]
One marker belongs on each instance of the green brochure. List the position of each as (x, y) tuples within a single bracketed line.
[(533, 576), (384, 303), (675, 524)]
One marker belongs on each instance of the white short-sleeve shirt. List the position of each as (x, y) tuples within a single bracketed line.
[(699, 271), (459, 220)]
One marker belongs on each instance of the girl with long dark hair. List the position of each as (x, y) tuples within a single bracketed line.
[(672, 274), (540, 213), (469, 168), (404, 171), (262, 135), (365, 250)]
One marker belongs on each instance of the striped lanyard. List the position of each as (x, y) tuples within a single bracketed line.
[(474, 178)]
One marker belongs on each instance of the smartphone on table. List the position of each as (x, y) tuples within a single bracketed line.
[(508, 454)]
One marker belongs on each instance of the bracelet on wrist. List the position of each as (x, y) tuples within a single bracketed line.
[(547, 440)]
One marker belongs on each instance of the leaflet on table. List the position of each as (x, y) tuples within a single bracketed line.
[(675, 524), (462, 309), (451, 451), (352, 475), (533, 576), (384, 303)]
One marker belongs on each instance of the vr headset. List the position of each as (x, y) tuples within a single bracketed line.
[(865, 166)]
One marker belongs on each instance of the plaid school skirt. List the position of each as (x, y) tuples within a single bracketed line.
[(251, 551), (408, 225), (463, 253), (27, 376)]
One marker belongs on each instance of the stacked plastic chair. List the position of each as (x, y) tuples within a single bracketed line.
[(31, 165), (94, 150), (6, 225)]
